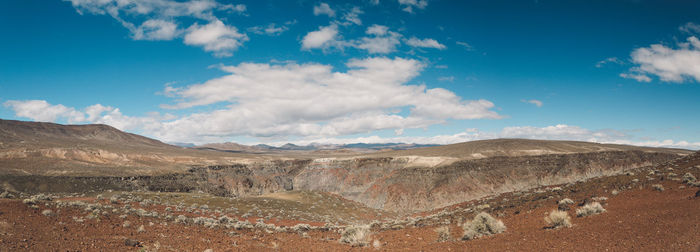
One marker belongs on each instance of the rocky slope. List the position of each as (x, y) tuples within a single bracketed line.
[(405, 180)]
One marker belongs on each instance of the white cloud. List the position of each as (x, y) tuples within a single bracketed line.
[(162, 18), (324, 37), (446, 78), (637, 77), (381, 41), (272, 29), (466, 45), (353, 16), (668, 64), (537, 103), (613, 60), (554, 132), (324, 9), (219, 126), (377, 30), (308, 100), (408, 5), (156, 29), (40, 110), (425, 43), (215, 37), (690, 27)]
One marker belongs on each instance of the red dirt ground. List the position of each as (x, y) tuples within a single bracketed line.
[(636, 220)]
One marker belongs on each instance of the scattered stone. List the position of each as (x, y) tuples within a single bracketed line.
[(132, 243)]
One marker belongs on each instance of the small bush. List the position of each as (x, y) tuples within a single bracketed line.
[(482, 224), (443, 233), (564, 204), (688, 178), (356, 235), (557, 219), (658, 187), (590, 209), (566, 201), (48, 212)]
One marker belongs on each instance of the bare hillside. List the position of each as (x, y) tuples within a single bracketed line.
[(518, 147)]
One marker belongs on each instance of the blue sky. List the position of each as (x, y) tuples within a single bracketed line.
[(357, 71)]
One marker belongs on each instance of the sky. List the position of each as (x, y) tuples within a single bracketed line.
[(372, 71)]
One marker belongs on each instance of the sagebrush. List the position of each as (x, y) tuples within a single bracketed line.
[(482, 224)]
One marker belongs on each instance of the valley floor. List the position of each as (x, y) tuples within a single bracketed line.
[(639, 219)]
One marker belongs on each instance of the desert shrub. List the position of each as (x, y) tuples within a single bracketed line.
[(48, 212), (590, 209), (443, 233), (564, 204), (301, 227), (658, 187), (557, 219), (356, 235), (29, 201), (689, 178), (566, 201), (482, 224), (5, 195), (141, 229), (377, 244), (181, 219)]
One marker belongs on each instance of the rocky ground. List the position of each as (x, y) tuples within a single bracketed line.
[(647, 209)]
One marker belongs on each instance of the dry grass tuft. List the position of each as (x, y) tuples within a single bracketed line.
[(658, 187), (590, 209), (357, 236), (443, 234), (557, 219), (482, 224)]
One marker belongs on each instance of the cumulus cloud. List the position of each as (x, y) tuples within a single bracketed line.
[(163, 19), (325, 37), (272, 29), (690, 27), (613, 60), (425, 43), (669, 64), (273, 100), (215, 37), (218, 125), (40, 110), (537, 103), (554, 132), (156, 29), (381, 40), (353, 16), (408, 5), (324, 9)]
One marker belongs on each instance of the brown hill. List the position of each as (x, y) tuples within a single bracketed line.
[(43, 134), (518, 147), (53, 149)]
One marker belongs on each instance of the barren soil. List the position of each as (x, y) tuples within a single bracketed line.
[(636, 220)]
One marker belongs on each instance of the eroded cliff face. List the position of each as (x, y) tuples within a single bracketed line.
[(411, 184), (395, 184), (400, 184)]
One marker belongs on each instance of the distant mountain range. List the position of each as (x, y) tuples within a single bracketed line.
[(235, 147)]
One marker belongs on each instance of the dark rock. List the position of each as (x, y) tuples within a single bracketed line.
[(132, 243)]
